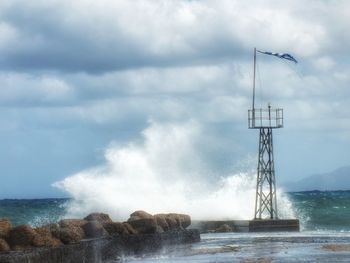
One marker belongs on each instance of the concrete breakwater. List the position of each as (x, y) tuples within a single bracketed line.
[(95, 238), (258, 225)]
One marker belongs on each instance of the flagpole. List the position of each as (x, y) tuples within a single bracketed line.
[(253, 106)]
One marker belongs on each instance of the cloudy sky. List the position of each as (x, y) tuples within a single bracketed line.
[(79, 76)]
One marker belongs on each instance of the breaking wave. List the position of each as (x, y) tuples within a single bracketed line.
[(164, 172)]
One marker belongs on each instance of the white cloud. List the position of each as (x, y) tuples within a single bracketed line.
[(24, 89), (8, 36), (107, 35), (103, 63), (325, 63)]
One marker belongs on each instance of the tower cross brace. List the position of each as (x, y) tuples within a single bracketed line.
[(265, 202), (265, 120)]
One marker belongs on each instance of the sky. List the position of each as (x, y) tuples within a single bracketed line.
[(79, 76)]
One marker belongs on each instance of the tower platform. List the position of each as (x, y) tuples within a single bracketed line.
[(258, 225), (265, 118)]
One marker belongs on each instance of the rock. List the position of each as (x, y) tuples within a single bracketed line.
[(173, 221), (159, 229), (54, 229), (5, 227), (94, 229), (129, 228), (71, 235), (176, 221), (4, 247), (100, 217), (144, 226), (44, 238), (115, 228), (109, 249), (223, 229), (185, 220), (21, 237), (336, 247), (72, 222), (139, 215), (161, 221), (70, 230)]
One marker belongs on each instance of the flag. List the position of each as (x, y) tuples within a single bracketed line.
[(280, 55)]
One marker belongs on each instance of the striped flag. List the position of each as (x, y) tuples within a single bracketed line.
[(280, 55)]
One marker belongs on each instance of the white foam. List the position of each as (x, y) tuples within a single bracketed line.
[(163, 173)]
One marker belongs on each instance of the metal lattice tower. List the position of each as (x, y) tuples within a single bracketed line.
[(265, 120)]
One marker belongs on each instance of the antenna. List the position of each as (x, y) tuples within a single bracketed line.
[(265, 119), (253, 103)]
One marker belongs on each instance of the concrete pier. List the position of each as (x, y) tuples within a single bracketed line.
[(266, 225), (274, 225)]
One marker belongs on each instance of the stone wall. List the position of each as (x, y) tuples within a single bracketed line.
[(96, 238), (103, 249)]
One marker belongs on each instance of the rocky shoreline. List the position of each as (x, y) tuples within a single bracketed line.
[(96, 238)]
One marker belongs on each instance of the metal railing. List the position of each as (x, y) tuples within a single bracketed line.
[(265, 118)]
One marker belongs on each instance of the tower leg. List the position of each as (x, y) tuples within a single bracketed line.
[(265, 202)]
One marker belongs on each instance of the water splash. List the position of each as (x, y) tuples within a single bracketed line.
[(162, 173)]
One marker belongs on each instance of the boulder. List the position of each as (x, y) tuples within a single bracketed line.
[(144, 226), (223, 229), (172, 222), (139, 215), (71, 235), (21, 237), (115, 228), (4, 247), (44, 238), (72, 222), (159, 229), (185, 220), (161, 221), (100, 217), (94, 229), (129, 228), (54, 229), (106, 249), (178, 220), (5, 227)]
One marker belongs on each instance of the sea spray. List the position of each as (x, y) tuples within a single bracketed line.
[(165, 172)]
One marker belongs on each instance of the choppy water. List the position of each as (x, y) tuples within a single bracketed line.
[(323, 210), (33, 211), (324, 220), (317, 210)]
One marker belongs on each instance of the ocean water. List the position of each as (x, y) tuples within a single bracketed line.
[(35, 212), (324, 217), (322, 210), (317, 210)]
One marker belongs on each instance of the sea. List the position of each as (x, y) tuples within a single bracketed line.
[(324, 236)]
